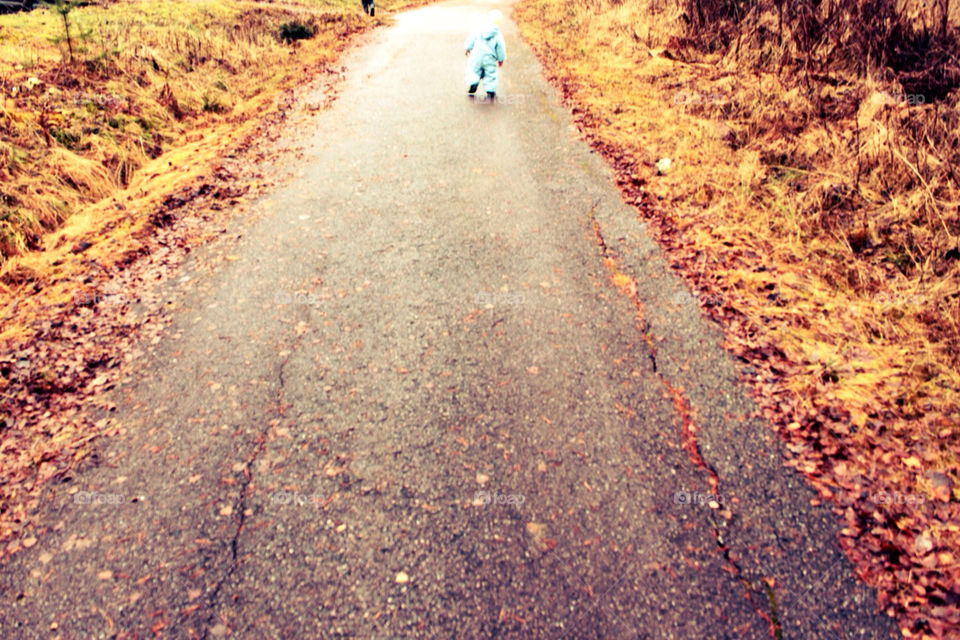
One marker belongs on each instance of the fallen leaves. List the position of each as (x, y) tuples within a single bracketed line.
[(624, 283), (941, 487), (912, 462)]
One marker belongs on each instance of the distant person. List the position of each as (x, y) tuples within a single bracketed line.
[(368, 7), (487, 51)]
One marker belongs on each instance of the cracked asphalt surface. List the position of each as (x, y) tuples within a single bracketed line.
[(413, 405)]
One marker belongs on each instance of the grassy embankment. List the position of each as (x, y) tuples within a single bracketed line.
[(812, 205), (149, 99)]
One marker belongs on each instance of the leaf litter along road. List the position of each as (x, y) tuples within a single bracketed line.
[(419, 400)]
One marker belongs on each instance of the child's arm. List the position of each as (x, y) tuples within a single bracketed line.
[(500, 49), (470, 41)]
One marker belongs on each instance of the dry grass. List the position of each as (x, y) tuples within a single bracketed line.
[(821, 203), (156, 93), (146, 75)]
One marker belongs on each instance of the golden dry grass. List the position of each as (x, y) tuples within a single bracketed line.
[(155, 94), (824, 211), (145, 75)]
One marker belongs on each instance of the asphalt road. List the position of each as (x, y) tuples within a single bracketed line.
[(413, 405)]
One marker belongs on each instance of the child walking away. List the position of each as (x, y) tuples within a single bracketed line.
[(487, 51), (368, 7)]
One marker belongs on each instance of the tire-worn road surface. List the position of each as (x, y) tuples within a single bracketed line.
[(415, 406)]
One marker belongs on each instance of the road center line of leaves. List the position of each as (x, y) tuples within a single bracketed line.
[(688, 429)]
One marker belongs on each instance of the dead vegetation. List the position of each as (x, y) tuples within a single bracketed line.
[(811, 188), (80, 115)]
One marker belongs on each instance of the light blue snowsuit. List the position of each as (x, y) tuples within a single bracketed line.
[(487, 48)]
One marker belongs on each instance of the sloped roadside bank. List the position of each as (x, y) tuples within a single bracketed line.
[(70, 312), (888, 470)]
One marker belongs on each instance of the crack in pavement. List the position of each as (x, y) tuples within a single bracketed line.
[(241, 509), (241, 504), (609, 259), (688, 428)]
